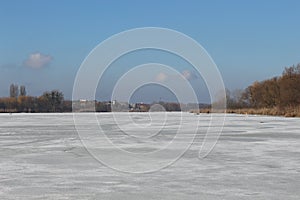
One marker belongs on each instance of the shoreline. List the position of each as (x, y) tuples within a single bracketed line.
[(285, 112)]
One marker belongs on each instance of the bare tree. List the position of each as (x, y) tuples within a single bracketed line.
[(14, 91), (22, 90), (53, 100)]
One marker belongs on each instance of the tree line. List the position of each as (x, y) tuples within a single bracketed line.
[(18, 101), (53, 101), (281, 92)]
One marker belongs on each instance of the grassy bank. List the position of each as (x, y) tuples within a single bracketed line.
[(286, 112)]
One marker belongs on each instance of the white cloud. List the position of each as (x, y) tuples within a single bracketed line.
[(37, 60), (161, 77), (188, 75)]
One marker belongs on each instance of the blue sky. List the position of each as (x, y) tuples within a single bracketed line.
[(43, 43)]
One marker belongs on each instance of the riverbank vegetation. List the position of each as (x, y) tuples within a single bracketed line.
[(275, 96)]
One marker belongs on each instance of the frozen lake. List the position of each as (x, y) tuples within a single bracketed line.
[(42, 157)]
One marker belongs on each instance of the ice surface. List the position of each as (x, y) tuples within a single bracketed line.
[(41, 157)]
